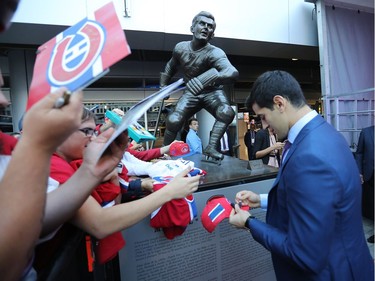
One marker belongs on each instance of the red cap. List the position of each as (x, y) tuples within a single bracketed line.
[(178, 149), (217, 209)]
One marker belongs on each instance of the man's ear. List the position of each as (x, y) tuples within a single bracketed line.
[(212, 36), (191, 29), (279, 102)]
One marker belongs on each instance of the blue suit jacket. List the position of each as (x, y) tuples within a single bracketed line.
[(314, 224)]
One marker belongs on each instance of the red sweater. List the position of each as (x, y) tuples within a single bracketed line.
[(7, 144), (107, 247)]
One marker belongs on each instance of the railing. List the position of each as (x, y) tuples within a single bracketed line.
[(350, 112)]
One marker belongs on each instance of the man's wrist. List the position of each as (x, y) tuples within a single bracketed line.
[(164, 149), (86, 170), (247, 222)]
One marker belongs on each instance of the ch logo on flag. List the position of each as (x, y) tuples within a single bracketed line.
[(79, 55), (76, 54)]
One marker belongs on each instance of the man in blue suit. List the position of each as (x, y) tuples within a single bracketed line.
[(313, 226)]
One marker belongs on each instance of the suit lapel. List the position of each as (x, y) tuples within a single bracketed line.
[(309, 127)]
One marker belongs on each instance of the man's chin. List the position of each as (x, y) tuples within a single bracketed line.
[(202, 40)]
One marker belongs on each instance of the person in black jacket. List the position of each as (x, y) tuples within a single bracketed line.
[(249, 140), (365, 162), (266, 146)]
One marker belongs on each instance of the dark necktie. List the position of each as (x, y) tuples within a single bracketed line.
[(285, 149)]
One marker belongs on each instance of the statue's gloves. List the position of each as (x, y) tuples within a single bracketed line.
[(197, 84), (194, 86), (164, 79)]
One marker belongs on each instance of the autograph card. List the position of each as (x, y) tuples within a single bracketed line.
[(139, 134), (79, 55)]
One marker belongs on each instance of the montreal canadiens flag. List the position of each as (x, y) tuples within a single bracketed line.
[(79, 55)]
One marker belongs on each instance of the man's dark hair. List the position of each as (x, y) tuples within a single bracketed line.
[(203, 14), (191, 120), (272, 83)]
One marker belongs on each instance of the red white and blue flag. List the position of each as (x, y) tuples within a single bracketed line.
[(79, 55), (216, 212)]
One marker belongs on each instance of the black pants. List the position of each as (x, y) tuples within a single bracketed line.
[(250, 152), (368, 198)]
